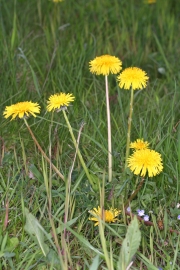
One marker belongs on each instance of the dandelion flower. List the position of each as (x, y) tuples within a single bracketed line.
[(139, 144), (21, 109), (109, 215), (57, 101), (133, 77), (145, 160), (105, 64)]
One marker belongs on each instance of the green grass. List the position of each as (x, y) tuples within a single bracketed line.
[(45, 48)]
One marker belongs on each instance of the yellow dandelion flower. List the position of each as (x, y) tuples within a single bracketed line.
[(57, 101), (145, 160), (139, 144), (109, 215), (133, 77), (105, 64), (21, 109)]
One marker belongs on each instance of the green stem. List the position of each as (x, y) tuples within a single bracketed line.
[(129, 126), (42, 152), (109, 131), (78, 152), (134, 193)]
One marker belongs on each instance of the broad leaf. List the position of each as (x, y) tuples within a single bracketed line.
[(130, 245)]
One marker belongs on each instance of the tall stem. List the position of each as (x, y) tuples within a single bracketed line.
[(42, 152), (109, 131), (78, 152), (129, 126)]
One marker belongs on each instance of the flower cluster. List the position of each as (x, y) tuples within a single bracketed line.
[(144, 160), (131, 77), (141, 213), (26, 108)]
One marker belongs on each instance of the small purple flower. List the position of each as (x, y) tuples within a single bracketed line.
[(128, 209), (159, 268), (178, 217), (140, 212), (146, 218)]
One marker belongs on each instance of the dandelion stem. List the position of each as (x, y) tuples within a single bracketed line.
[(109, 131), (42, 152), (78, 152), (135, 192), (129, 126)]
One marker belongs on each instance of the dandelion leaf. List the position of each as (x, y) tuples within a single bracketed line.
[(130, 245)]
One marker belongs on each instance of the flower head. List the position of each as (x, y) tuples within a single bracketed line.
[(178, 217), (21, 109), (128, 209), (132, 77), (145, 160), (139, 144), (146, 218), (105, 64), (57, 101), (109, 215), (140, 212)]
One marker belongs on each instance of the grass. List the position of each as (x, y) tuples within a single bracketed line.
[(46, 48)]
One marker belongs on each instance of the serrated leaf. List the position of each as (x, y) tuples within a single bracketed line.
[(33, 228), (130, 244)]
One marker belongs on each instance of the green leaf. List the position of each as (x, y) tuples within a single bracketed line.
[(95, 263), (12, 243), (34, 229), (4, 242), (36, 173), (82, 239), (130, 245), (147, 262)]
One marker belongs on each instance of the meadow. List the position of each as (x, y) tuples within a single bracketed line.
[(62, 206)]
